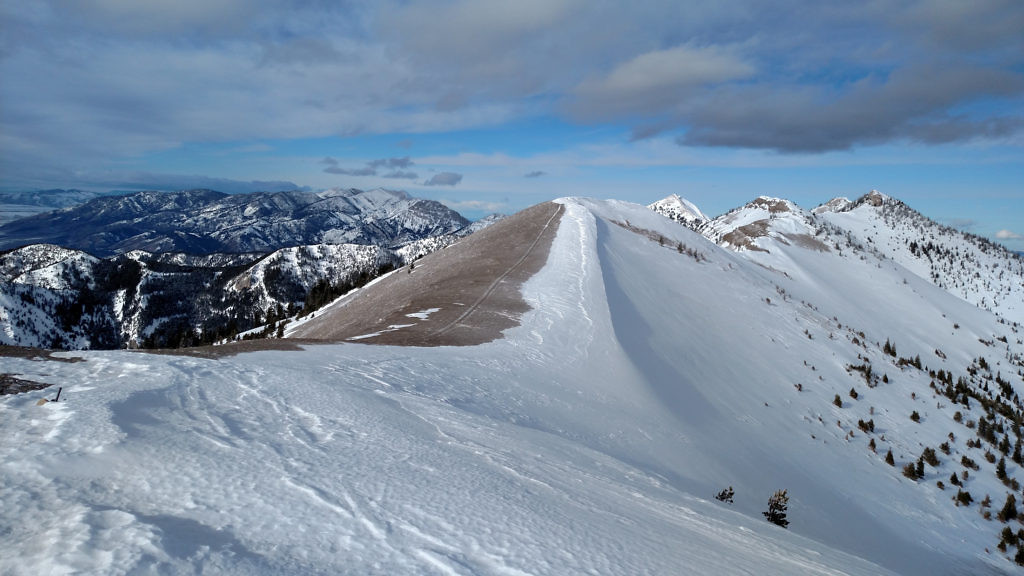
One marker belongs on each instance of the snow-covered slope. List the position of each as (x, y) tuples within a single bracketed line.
[(653, 370), (204, 221), (968, 266), (680, 210)]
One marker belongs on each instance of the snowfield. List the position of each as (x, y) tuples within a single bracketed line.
[(654, 370)]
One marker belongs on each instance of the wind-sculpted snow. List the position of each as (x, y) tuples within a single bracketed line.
[(590, 439)]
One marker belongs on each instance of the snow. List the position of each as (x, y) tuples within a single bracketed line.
[(679, 209), (590, 439)]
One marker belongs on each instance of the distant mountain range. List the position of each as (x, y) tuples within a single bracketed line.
[(22, 204), (161, 269), (207, 222)]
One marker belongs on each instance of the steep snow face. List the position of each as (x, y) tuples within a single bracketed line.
[(204, 222), (967, 266), (680, 210), (653, 370)]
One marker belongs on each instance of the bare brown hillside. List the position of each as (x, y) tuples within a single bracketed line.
[(464, 295)]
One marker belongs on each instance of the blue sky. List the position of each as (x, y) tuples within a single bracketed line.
[(494, 106)]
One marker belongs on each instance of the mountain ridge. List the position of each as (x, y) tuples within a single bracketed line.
[(653, 370), (203, 221), (971, 267)]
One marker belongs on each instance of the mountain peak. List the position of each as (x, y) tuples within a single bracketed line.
[(679, 209), (873, 198), (772, 205), (837, 204)]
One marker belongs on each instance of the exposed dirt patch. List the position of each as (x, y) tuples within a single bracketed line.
[(10, 384), (807, 241), (232, 348), (774, 206), (463, 295), (874, 198), (743, 237), (30, 353)]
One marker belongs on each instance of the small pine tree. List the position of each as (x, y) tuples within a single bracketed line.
[(1001, 469), (838, 401), (1009, 511), (778, 505), (910, 471), (889, 459), (963, 498), (725, 495), (853, 393), (915, 416), (871, 445), (954, 479)]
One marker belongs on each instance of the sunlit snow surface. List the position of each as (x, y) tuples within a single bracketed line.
[(589, 441)]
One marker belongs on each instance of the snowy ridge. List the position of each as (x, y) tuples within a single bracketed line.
[(591, 439), (680, 210), (967, 266), (764, 218)]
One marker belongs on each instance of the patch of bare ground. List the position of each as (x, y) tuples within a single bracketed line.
[(743, 237), (772, 205), (30, 353), (464, 295), (10, 384), (232, 348), (806, 241)]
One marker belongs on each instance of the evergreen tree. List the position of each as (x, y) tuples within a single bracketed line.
[(778, 505), (1001, 469), (889, 459), (1009, 511), (725, 495)]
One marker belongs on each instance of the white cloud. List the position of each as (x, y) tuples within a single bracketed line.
[(1008, 235)]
